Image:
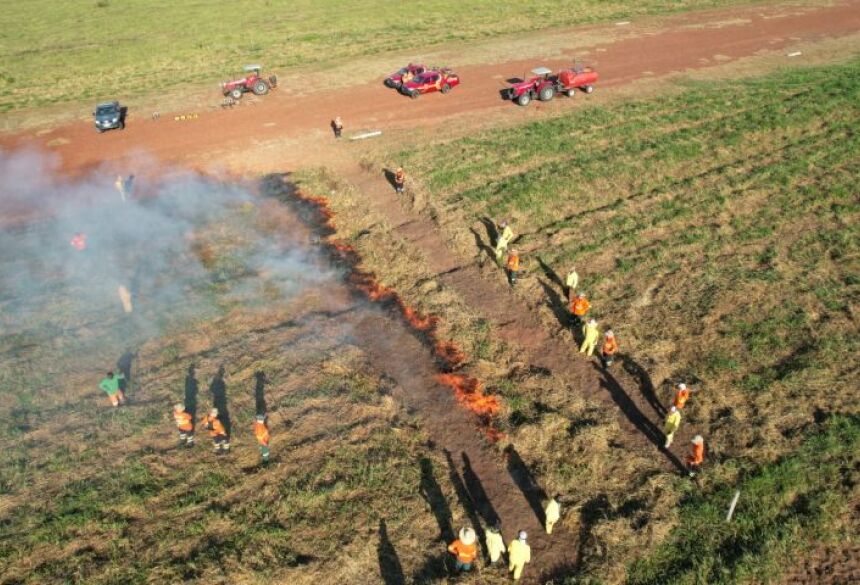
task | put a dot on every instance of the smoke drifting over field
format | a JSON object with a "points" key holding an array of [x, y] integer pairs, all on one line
{"points": [[182, 245]]}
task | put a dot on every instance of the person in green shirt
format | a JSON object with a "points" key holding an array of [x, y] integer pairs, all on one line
{"points": [[110, 386]]}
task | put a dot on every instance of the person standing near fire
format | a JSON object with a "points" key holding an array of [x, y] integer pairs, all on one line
{"points": [[216, 429], [519, 553], [399, 180], [512, 267], [505, 235], [261, 432], [579, 307], [590, 335], [185, 425], [110, 386], [609, 349]]}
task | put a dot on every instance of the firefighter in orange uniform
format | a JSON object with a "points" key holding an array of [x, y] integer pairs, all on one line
{"points": [[682, 395], [185, 424], [579, 308], [216, 429], [512, 267], [261, 432], [609, 349], [399, 180], [464, 549], [697, 456]]}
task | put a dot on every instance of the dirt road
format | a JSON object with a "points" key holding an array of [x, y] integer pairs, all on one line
{"points": [[683, 42]]}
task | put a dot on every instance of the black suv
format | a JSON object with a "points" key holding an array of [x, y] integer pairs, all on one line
{"points": [[109, 115]]}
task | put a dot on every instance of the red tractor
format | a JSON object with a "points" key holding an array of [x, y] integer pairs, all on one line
{"points": [[544, 85], [252, 81]]}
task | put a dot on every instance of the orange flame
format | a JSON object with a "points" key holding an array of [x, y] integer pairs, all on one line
{"points": [[468, 391]]}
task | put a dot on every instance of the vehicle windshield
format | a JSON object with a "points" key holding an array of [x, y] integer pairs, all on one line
{"points": [[426, 78], [105, 110]]}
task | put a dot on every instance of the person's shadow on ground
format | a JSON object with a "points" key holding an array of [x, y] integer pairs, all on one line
{"points": [[390, 177], [651, 431], [432, 494], [260, 393], [646, 386], [191, 388], [389, 563], [218, 389], [525, 480], [123, 364]]}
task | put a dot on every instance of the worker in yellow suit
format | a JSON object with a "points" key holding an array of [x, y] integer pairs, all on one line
{"points": [[552, 512], [590, 334], [519, 553], [495, 542], [671, 425], [506, 234]]}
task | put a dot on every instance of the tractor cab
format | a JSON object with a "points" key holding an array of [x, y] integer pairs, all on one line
{"points": [[252, 72], [542, 72]]}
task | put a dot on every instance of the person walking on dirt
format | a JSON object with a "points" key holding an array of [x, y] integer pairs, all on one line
{"points": [[590, 335], [609, 349], [512, 267], [682, 395], [110, 386], [495, 542], [579, 308], [337, 126], [216, 429], [571, 281], [697, 456], [671, 425], [506, 234], [519, 553], [552, 512], [399, 180], [261, 432], [464, 549], [185, 424]]}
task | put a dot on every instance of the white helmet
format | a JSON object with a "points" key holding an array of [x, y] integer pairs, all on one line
{"points": [[682, 386], [609, 333], [673, 408], [261, 418], [698, 440], [522, 535], [179, 407], [213, 412], [467, 535]]}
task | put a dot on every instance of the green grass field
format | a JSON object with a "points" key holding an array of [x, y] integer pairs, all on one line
{"points": [[87, 50], [715, 230]]}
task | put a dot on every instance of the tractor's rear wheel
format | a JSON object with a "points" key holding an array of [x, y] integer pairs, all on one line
{"points": [[236, 94], [546, 94], [260, 87], [524, 99], [445, 88], [588, 88]]}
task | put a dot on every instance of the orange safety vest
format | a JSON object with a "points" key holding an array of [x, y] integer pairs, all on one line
{"points": [[184, 422], [261, 431], [214, 425], [580, 306], [466, 553], [400, 177], [698, 454], [610, 346], [513, 262], [681, 398]]}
